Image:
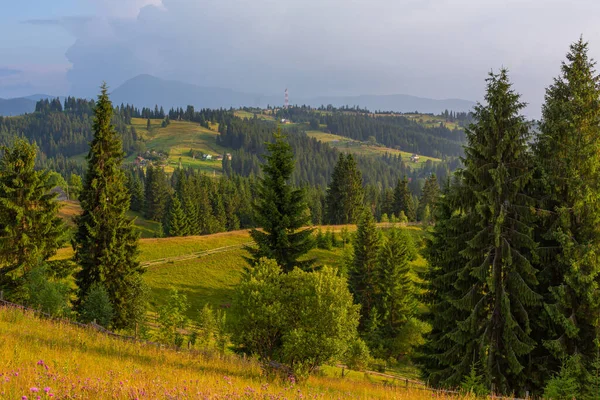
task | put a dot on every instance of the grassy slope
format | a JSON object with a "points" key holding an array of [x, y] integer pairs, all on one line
{"points": [[70, 209], [431, 121], [356, 147], [72, 362], [178, 138]]}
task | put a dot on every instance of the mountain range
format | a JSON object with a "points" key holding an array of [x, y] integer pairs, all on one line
{"points": [[148, 91]]}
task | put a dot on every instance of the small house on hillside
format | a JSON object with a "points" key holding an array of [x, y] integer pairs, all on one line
{"points": [[207, 157], [228, 155], [414, 158], [219, 158]]}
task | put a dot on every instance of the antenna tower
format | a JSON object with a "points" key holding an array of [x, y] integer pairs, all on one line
{"points": [[286, 102]]}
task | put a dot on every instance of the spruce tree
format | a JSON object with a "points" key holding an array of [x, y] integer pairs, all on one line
{"points": [[345, 193], [157, 193], [363, 275], [431, 193], [403, 201], [31, 231], [176, 223], [281, 212], [397, 302], [500, 254], [443, 356], [106, 242], [567, 152]]}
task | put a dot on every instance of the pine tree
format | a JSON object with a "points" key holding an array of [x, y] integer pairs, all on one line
{"points": [[567, 152], [176, 223], [445, 282], [106, 242], [281, 212], [497, 172], [157, 193], [431, 193], [363, 274], [136, 189], [345, 193], [397, 302], [31, 231], [403, 200]]}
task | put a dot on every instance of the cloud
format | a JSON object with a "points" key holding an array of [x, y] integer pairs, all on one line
{"points": [[434, 48], [8, 72]]}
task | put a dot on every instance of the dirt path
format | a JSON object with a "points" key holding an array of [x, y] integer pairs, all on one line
{"points": [[191, 256]]}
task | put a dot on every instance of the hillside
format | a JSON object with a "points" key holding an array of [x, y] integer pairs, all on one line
{"points": [[52, 359], [16, 106], [348, 145], [207, 268], [177, 139]]}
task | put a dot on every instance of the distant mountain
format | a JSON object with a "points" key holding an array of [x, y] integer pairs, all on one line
{"points": [[16, 106], [147, 91]]}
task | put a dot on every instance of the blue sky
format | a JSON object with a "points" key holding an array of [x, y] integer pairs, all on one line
{"points": [[427, 48]]}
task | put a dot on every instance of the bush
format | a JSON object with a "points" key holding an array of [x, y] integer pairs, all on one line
{"points": [[565, 385], [45, 294], [171, 318], [302, 319], [358, 356], [96, 306]]}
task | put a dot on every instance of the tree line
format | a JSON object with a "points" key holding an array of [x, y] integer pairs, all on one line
{"points": [[513, 272]]}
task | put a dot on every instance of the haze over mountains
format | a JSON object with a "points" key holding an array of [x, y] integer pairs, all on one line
{"points": [[146, 91]]}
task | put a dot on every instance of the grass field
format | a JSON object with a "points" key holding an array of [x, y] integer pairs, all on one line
{"points": [[431, 121], [51, 359], [178, 138], [356, 147], [249, 115]]}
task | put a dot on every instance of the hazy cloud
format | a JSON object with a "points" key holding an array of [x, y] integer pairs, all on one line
{"points": [[8, 72], [432, 48]]}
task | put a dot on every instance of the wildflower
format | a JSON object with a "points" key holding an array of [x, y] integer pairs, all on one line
{"points": [[34, 389], [47, 389], [24, 398]]}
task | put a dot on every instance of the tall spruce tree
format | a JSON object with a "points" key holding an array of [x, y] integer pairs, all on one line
{"points": [[363, 272], [176, 222], [431, 193], [31, 231], [501, 300], [281, 212], [157, 193], [397, 297], [344, 200], [106, 242], [567, 152], [443, 357], [403, 201]]}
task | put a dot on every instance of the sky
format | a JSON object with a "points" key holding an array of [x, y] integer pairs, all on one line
{"points": [[428, 48]]}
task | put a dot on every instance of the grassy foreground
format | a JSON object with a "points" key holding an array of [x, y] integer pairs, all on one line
{"points": [[57, 360]]}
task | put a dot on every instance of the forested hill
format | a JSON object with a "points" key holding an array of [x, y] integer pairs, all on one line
{"points": [[63, 130]]}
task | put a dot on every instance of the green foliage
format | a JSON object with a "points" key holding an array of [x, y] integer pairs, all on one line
{"points": [[281, 212], [46, 294], [106, 242], [567, 156], [358, 356], [474, 384], [363, 274], [75, 186], [172, 318], [96, 306], [303, 319], [403, 202], [31, 231], [399, 331], [566, 385], [429, 198], [177, 222], [345, 193], [324, 240]]}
